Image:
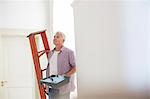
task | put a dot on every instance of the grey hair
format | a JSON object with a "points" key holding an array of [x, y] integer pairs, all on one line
{"points": [[61, 34]]}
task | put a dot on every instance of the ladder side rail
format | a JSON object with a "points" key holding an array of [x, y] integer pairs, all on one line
{"points": [[37, 65]]}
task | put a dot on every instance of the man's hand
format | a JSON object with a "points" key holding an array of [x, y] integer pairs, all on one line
{"points": [[70, 72], [65, 75], [46, 88]]}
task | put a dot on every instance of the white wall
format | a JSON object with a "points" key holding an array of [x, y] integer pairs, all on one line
{"points": [[26, 16], [134, 17], [111, 45], [63, 20]]}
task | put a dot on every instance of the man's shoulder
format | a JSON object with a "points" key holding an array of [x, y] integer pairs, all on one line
{"points": [[67, 49]]}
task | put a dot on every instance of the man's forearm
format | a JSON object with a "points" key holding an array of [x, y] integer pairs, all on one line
{"points": [[71, 71]]}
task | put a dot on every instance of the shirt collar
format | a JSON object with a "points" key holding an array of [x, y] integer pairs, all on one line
{"points": [[61, 50]]}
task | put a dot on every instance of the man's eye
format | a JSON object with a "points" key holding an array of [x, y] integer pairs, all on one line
{"points": [[56, 36]]}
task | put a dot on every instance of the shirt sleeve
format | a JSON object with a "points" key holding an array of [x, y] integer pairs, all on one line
{"points": [[49, 55], [47, 70], [72, 59]]}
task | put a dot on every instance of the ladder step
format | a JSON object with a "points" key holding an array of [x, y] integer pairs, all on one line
{"points": [[43, 69], [42, 52], [36, 33]]}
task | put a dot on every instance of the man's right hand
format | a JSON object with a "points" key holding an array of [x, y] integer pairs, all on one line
{"points": [[46, 88]]}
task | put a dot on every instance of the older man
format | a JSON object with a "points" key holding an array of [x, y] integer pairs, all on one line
{"points": [[61, 62]]}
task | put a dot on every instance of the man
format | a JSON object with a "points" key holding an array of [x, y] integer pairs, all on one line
{"points": [[61, 62]]}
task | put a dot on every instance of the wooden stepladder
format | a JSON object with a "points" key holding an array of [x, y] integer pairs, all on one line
{"points": [[36, 55]]}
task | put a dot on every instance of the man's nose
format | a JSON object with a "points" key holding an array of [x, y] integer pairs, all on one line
{"points": [[55, 39]]}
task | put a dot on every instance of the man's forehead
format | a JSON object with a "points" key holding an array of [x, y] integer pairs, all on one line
{"points": [[58, 35]]}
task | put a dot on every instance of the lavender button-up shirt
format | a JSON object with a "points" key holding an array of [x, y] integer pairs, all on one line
{"points": [[65, 61]]}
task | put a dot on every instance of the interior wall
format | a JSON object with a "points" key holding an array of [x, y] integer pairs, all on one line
{"points": [[134, 25], [26, 16], [23, 14], [97, 46], [111, 46]]}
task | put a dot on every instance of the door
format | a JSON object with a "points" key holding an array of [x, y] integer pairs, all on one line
{"points": [[1, 73], [17, 77]]}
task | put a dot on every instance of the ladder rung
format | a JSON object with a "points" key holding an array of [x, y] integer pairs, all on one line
{"points": [[43, 69], [42, 52], [38, 32]]}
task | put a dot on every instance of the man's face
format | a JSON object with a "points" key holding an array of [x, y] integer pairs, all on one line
{"points": [[58, 40]]}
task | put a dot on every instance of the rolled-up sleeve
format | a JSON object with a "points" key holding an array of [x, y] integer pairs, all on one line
{"points": [[72, 61]]}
